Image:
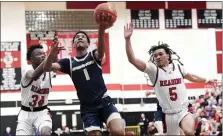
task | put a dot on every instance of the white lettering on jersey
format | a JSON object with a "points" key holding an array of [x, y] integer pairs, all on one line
{"points": [[83, 65]]}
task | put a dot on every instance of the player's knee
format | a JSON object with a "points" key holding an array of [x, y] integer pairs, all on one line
{"points": [[95, 133], [45, 131], [118, 131], [189, 133], [159, 126]]}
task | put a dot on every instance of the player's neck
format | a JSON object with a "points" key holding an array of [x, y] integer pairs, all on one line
{"points": [[81, 53], [165, 65]]}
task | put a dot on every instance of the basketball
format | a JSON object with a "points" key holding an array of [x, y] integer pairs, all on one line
{"points": [[105, 13]]}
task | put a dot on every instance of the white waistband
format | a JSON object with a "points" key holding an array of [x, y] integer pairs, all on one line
{"points": [[175, 111]]}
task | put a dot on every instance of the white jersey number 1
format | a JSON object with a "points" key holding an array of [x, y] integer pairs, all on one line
{"points": [[86, 74]]}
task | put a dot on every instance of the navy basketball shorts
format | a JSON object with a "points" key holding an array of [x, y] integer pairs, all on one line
{"points": [[93, 119]]}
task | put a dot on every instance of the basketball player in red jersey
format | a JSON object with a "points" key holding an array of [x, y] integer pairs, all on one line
{"points": [[34, 115], [168, 84]]}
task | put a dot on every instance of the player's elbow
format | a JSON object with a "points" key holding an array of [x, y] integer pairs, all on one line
{"points": [[132, 60]]}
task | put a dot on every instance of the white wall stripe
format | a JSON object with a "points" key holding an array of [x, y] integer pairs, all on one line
{"points": [[113, 94], [219, 52]]}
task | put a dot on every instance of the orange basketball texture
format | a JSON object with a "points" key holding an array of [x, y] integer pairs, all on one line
{"points": [[105, 13]]}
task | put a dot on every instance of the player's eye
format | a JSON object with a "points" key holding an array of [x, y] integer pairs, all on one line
{"points": [[78, 36]]}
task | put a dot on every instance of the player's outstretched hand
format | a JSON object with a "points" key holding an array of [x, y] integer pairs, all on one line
{"points": [[212, 81], [56, 47], [128, 30], [104, 20]]}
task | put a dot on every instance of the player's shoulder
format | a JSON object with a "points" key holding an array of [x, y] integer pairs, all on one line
{"points": [[65, 59], [25, 81], [26, 69], [92, 52], [150, 66]]}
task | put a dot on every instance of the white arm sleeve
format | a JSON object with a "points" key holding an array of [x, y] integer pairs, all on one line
{"points": [[151, 71]]}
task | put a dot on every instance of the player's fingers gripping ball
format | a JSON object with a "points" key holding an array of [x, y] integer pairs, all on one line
{"points": [[105, 14]]}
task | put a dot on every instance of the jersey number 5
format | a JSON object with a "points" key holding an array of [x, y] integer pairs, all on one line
{"points": [[173, 95], [37, 100]]}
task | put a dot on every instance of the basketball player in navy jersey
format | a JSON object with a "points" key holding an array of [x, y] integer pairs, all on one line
{"points": [[96, 105], [168, 84]]}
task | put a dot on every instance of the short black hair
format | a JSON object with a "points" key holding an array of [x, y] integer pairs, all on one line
{"points": [[167, 49], [31, 49], [88, 39]]}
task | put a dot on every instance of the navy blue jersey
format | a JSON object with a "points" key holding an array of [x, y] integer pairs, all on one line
{"points": [[86, 76], [159, 108], [158, 115]]}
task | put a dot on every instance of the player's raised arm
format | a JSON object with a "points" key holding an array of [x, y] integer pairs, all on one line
{"points": [[99, 54], [139, 64], [55, 49]]}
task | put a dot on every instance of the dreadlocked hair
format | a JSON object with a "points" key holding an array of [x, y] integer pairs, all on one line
{"points": [[31, 49], [167, 50]]}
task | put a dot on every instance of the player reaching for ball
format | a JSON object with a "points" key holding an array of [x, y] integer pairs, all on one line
{"points": [[34, 115], [168, 83], [96, 105]]}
